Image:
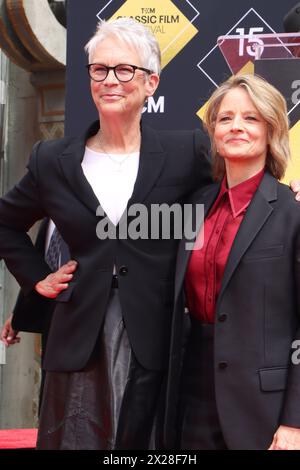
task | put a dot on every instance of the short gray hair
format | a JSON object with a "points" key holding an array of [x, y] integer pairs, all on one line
{"points": [[132, 33]]}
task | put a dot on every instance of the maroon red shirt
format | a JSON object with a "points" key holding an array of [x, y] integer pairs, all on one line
{"points": [[206, 266]]}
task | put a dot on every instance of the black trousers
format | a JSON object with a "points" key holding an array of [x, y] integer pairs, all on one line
{"points": [[199, 426]]}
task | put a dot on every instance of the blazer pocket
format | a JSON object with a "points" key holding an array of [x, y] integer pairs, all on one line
{"points": [[66, 294], [273, 379], [267, 252]]}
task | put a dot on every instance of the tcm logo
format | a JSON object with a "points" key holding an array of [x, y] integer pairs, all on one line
{"points": [[155, 106]]}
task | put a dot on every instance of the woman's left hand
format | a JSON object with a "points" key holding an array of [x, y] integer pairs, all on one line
{"points": [[286, 438]]}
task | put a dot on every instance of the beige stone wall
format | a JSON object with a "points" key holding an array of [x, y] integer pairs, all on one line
{"points": [[18, 399]]}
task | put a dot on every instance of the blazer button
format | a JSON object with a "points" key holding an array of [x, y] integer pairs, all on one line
{"points": [[223, 365], [223, 317], [123, 270]]}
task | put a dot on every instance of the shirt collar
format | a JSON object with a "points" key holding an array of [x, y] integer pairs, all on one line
{"points": [[241, 194]]}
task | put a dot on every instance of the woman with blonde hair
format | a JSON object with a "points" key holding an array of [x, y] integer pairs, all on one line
{"points": [[240, 382]]}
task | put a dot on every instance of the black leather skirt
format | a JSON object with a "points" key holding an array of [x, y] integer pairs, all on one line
{"points": [[80, 410]]}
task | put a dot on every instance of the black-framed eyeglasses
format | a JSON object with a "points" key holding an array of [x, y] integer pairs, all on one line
{"points": [[123, 72]]}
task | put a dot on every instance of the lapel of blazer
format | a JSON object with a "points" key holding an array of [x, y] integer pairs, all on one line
{"points": [[256, 216], [206, 197], [152, 159], [70, 161]]}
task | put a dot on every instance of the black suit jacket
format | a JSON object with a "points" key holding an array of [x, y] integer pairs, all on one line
{"points": [[256, 320], [171, 165]]}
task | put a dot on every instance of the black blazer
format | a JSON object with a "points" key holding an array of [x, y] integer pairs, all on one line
{"points": [[256, 320], [171, 165]]}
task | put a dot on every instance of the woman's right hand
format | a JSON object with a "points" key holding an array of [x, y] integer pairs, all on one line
{"points": [[56, 282], [8, 335]]}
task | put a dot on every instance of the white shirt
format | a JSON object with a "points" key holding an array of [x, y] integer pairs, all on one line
{"points": [[112, 178]]}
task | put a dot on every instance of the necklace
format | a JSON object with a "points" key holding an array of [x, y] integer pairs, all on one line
{"points": [[117, 160]]}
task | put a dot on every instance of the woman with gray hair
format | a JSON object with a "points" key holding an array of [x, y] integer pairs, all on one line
{"points": [[240, 381], [108, 344]]}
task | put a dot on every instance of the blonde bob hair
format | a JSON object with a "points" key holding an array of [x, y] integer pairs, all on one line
{"points": [[271, 105]]}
